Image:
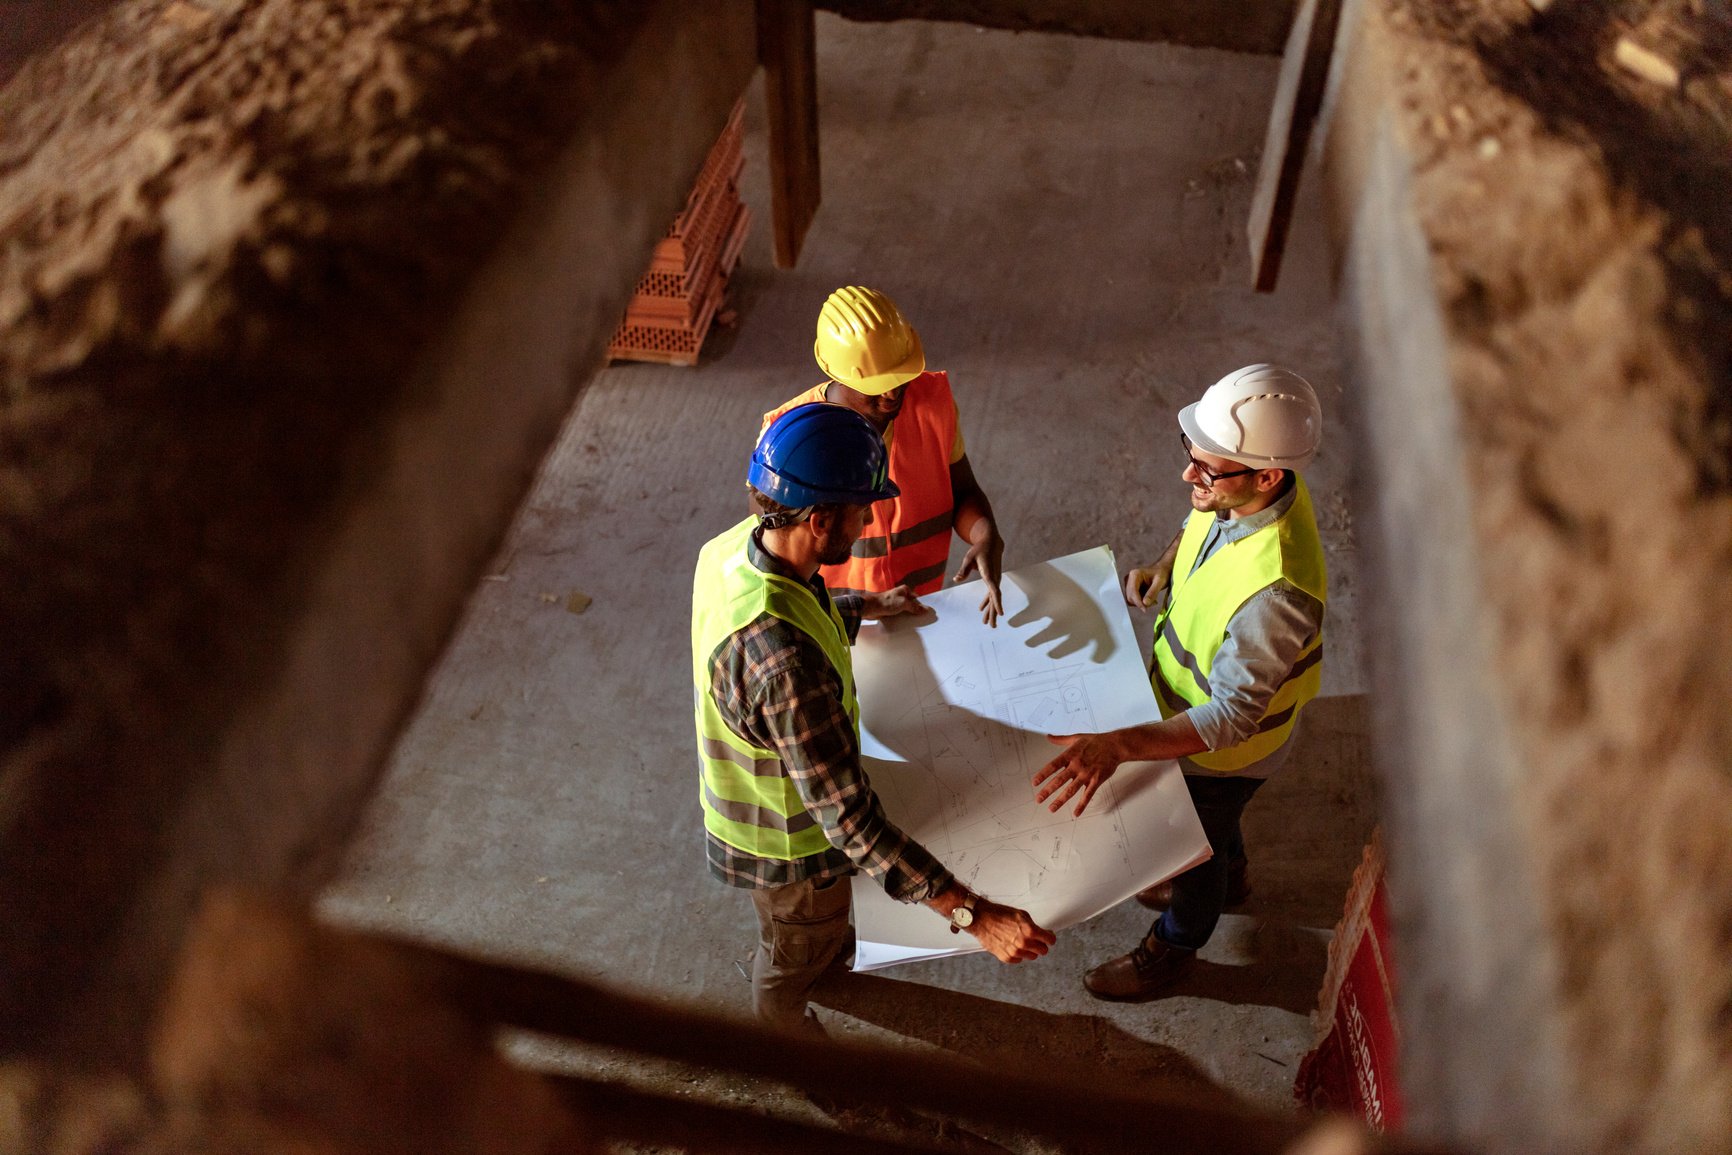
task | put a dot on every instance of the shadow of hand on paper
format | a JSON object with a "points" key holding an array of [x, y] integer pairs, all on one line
{"points": [[944, 729], [1016, 1037], [1056, 597]]}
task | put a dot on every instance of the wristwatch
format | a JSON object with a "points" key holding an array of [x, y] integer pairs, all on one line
{"points": [[962, 915]]}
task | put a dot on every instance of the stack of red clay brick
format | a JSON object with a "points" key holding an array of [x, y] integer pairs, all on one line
{"points": [[677, 299]]}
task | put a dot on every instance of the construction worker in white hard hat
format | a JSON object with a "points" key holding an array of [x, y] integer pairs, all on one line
{"points": [[874, 364], [1238, 647]]}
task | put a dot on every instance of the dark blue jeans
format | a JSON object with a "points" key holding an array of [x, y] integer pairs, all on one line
{"points": [[1200, 894]]}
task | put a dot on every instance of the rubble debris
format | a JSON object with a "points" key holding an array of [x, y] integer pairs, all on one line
{"points": [[1650, 66]]}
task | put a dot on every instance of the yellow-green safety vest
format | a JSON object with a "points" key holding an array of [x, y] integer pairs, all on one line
{"points": [[1201, 605], [749, 801]]}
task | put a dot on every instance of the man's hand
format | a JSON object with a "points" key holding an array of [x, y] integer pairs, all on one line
{"points": [[888, 604], [1087, 762], [1010, 934], [985, 557], [1144, 584]]}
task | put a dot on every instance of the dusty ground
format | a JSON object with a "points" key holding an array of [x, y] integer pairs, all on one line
{"points": [[193, 196], [1579, 222], [179, 223]]}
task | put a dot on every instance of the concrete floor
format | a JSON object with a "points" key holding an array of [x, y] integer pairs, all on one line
{"points": [[1064, 222]]}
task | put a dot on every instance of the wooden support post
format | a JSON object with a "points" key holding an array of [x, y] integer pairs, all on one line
{"points": [[1298, 96], [788, 50]]}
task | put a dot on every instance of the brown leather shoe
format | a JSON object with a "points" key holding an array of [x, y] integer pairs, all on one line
{"points": [[1160, 895], [1150, 968]]}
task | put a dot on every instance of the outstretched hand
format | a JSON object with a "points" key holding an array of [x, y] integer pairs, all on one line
{"points": [[1087, 762]]}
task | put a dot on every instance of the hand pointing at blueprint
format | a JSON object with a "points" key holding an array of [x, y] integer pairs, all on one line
{"points": [[1088, 761]]}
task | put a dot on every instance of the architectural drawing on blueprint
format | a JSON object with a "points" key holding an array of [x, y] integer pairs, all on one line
{"points": [[979, 742], [954, 723]]}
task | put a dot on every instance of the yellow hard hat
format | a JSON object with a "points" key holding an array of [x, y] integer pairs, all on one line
{"points": [[865, 343]]}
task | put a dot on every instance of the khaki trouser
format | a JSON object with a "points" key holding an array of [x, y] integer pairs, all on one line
{"points": [[801, 929]]}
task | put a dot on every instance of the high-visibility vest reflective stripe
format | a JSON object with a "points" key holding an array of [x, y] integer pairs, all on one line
{"points": [[749, 802], [909, 538], [1191, 631]]}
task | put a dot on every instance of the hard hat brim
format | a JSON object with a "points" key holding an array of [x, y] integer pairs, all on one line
{"points": [[796, 494], [807, 456], [1188, 423], [911, 367]]}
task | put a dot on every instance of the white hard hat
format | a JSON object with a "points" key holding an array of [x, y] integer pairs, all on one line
{"points": [[1262, 416]]}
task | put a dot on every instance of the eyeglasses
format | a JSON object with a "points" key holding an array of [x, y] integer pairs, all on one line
{"points": [[1204, 471]]}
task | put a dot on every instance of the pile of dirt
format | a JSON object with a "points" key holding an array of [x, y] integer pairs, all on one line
{"points": [[1576, 202], [227, 230], [193, 197]]}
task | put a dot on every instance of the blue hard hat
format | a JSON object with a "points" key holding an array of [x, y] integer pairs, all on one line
{"points": [[819, 454]]}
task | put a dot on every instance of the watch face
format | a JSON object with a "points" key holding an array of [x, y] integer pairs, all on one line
{"points": [[962, 916]]}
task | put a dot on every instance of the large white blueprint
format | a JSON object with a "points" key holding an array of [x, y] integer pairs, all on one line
{"points": [[954, 718]]}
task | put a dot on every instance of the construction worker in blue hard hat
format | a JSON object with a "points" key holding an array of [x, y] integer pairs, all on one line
{"points": [[1238, 652], [874, 364], [788, 811]]}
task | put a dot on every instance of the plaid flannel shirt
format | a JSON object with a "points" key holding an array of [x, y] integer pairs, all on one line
{"points": [[776, 689]]}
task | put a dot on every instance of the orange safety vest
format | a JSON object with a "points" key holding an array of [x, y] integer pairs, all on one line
{"points": [[908, 541]]}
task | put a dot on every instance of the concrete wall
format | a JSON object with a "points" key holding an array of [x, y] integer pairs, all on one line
{"points": [[30, 26], [1480, 1053], [1255, 26], [267, 414], [1537, 361]]}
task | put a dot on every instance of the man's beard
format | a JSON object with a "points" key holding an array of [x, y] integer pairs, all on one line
{"points": [[834, 552], [1215, 502]]}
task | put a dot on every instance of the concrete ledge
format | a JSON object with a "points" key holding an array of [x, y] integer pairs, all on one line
{"points": [[1537, 352], [267, 415], [1259, 27]]}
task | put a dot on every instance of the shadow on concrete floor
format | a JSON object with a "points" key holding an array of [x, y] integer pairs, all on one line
{"points": [[1306, 830], [1285, 970], [993, 1032]]}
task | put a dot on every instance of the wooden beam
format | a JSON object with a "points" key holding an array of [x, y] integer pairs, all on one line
{"points": [[245, 1036], [788, 50], [1298, 96]]}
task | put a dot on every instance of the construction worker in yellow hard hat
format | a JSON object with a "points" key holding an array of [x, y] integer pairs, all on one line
{"points": [[874, 364]]}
